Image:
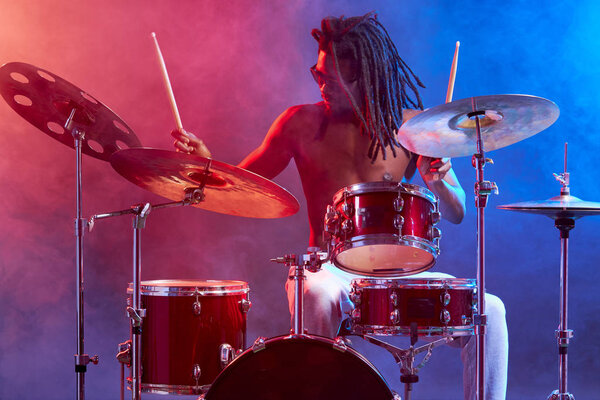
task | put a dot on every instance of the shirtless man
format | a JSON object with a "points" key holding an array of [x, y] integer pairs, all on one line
{"points": [[342, 141]]}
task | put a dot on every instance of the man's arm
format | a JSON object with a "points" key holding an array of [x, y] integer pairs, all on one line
{"points": [[440, 179], [268, 160]]}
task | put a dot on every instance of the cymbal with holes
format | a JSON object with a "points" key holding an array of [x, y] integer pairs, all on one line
{"points": [[447, 131], [46, 100], [229, 189]]}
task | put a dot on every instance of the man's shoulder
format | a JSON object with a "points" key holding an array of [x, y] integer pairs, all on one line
{"points": [[305, 113]]}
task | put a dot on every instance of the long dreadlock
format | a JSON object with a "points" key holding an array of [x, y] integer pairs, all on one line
{"points": [[383, 77]]}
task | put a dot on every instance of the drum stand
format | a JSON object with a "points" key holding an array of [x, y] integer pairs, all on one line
{"points": [[81, 359], [405, 358], [482, 190], [564, 225], [312, 262], [135, 311]]}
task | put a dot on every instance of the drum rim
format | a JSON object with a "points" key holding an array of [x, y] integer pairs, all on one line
{"points": [[385, 186], [174, 287], [163, 388], [394, 330], [415, 283], [383, 239]]}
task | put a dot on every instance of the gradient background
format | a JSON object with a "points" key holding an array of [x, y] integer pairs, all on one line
{"points": [[234, 66]]}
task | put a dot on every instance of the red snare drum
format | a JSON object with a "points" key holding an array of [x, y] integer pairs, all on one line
{"points": [[300, 367], [389, 306], [191, 331], [384, 229]]}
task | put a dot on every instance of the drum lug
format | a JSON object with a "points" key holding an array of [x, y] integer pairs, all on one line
{"points": [[347, 226], [196, 373], [331, 221], [436, 234], [245, 305], [436, 217], [355, 315], [347, 210], [445, 299], [339, 344], [197, 307], [355, 297], [395, 317], [259, 344], [445, 317], [394, 299], [226, 354], [398, 203], [398, 222]]}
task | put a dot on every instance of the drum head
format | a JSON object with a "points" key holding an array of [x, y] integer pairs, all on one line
{"points": [[299, 368]]}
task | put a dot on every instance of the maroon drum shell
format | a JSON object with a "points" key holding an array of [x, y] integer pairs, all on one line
{"points": [[175, 339], [417, 300], [379, 219]]}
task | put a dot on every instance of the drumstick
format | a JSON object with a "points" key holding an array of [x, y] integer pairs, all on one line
{"points": [[450, 91], [167, 82]]}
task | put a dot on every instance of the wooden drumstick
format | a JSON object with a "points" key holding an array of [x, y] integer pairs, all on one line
{"points": [[167, 82], [450, 91]]}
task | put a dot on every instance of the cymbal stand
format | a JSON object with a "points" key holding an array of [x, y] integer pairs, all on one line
{"points": [[563, 334], [135, 311], [482, 190], [312, 262], [405, 358], [81, 359]]}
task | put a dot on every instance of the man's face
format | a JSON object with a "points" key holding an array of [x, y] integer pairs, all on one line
{"points": [[331, 89]]}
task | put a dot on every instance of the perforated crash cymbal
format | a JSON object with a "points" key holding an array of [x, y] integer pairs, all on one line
{"points": [[448, 131], [46, 100], [228, 190]]}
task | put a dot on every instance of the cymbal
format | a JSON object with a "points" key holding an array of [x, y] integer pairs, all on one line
{"points": [[563, 206], [229, 189], [46, 100], [447, 131]]}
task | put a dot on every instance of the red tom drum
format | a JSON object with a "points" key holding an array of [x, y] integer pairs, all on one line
{"points": [[192, 330], [389, 306], [383, 229]]}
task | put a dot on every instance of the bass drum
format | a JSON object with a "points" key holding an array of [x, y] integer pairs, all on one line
{"points": [[300, 367]]}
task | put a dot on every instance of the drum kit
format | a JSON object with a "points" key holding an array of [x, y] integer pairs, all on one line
{"points": [[189, 336]]}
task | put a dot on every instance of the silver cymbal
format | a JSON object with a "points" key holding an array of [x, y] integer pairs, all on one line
{"points": [[563, 206], [447, 131]]}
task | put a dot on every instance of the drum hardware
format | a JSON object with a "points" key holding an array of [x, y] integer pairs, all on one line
{"points": [[312, 262], [472, 126], [564, 209], [135, 312], [405, 358], [75, 118]]}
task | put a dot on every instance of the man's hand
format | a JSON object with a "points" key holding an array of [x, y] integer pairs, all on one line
{"points": [[189, 143], [433, 169]]}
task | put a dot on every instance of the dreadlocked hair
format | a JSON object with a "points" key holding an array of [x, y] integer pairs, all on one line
{"points": [[386, 82]]}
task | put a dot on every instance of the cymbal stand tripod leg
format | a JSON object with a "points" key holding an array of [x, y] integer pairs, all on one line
{"points": [[563, 334], [482, 190]]}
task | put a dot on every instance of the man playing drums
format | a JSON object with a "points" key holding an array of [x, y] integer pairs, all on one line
{"points": [[349, 138]]}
